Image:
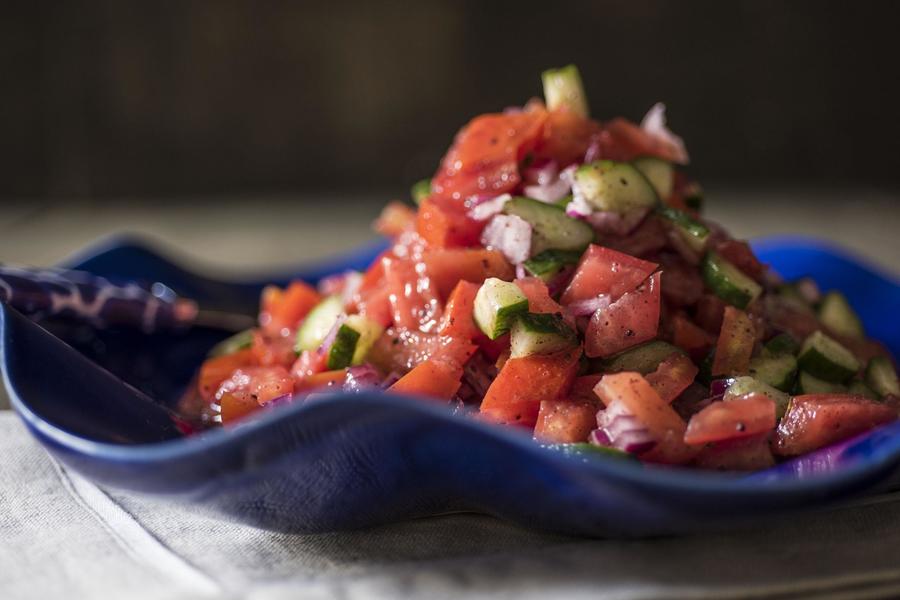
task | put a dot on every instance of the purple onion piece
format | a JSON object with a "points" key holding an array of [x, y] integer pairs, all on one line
{"points": [[717, 387], [362, 378], [485, 209], [622, 430], [392, 378], [509, 234], [808, 289], [541, 174], [326, 344], [589, 306], [550, 192]]}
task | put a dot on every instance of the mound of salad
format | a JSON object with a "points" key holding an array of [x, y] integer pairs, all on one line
{"points": [[555, 275]]}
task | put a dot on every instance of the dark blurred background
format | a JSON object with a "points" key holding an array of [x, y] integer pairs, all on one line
{"points": [[108, 98]]}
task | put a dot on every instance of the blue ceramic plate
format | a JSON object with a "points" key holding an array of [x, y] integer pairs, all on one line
{"points": [[362, 460]]}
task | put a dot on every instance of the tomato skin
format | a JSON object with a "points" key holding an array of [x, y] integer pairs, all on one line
{"points": [[630, 320], [515, 395], [282, 310], [447, 267], [413, 299], [566, 138], [273, 351], [735, 344], [642, 401], [623, 140], [605, 271], [746, 454], [459, 313], [816, 420], [741, 417], [216, 370], [432, 378], [318, 381], [444, 224], [689, 337], [236, 406], [564, 422], [673, 376], [252, 385], [538, 294]]}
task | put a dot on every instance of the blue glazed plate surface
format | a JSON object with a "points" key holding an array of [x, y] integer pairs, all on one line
{"points": [[363, 460]]}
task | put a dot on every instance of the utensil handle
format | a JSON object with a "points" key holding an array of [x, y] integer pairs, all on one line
{"points": [[42, 293]]}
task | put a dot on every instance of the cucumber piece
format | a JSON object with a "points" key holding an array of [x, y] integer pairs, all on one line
{"points": [[882, 377], [643, 358], [825, 358], [340, 355], [694, 233], [549, 263], [369, 331], [564, 201], [563, 89], [318, 323], [751, 385], [230, 345], [783, 343], [859, 388], [728, 282], [777, 371], [615, 186], [497, 304], [809, 384], [660, 174], [552, 228], [420, 190], [540, 333], [836, 314]]}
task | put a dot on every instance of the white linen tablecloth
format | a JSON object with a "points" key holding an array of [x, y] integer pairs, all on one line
{"points": [[63, 537]]}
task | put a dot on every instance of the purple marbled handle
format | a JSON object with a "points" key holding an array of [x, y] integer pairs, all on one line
{"points": [[42, 293]]}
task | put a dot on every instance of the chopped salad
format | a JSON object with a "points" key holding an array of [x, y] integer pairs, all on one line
{"points": [[556, 276]]}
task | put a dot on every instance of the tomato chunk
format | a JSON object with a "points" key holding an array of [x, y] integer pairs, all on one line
{"points": [[448, 267], [538, 294], [630, 320], [433, 378], [564, 422], [735, 345], [732, 419], [445, 225], [642, 401], [324, 380], [689, 337], [216, 370], [746, 454], [236, 406], [412, 296], [269, 351], [516, 393], [395, 218], [673, 376], [566, 138], [282, 310], [816, 420], [605, 271], [624, 141]]}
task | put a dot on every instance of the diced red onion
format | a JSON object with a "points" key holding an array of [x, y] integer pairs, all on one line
{"points": [[593, 151], [588, 306], [542, 174], [808, 289], [579, 208], [622, 430], [613, 223], [654, 123], [488, 208], [509, 234], [717, 387], [550, 192], [361, 378], [392, 378], [326, 344], [520, 271], [558, 283], [280, 400]]}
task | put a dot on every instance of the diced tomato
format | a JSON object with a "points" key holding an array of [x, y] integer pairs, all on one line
{"points": [[564, 422], [433, 378], [446, 268], [282, 310], [493, 349], [684, 286], [605, 271], [583, 389], [309, 363], [250, 385], [709, 313], [538, 294], [647, 240], [690, 338], [395, 218], [735, 345], [642, 401], [318, 381], [731, 419], [402, 349], [673, 376], [216, 370], [444, 224], [630, 320], [376, 305], [413, 298], [746, 454], [741, 256], [236, 406], [516, 393], [459, 320], [567, 136], [816, 420], [373, 278], [624, 141], [485, 155], [271, 351]]}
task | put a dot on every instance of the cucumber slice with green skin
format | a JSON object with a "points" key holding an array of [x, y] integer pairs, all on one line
{"points": [[694, 233], [809, 384], [340, 355], [783, 343], [825, 358], [836, 314], [564, 201], [728, 282], [552, 228], [497, 304], [549, 263], [583, 449], [777, 371], [859, 388], [660, 174], [230, 345], [369, 331], [751, 385], [882, 377], [614, 186], [318, 323], [563, 88], [420, 190], [643, 358], [540, 333]]}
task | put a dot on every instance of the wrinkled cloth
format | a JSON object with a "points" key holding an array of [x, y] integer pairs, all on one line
{"points": [[62, 536]]}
